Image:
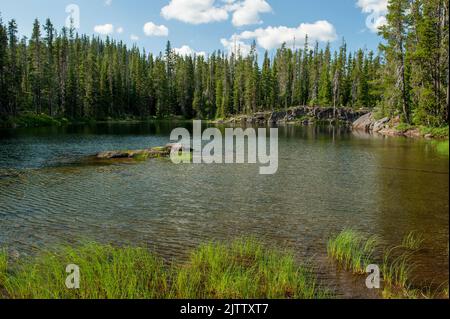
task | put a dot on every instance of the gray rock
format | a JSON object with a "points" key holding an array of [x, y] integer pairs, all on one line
{"points": [[381, 124], [364, 123]]}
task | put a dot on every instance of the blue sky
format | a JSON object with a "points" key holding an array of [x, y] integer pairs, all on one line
{"points": [[208, 25]]}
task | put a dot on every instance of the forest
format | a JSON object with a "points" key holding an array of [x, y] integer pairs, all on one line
{"points": [[63, 74]]}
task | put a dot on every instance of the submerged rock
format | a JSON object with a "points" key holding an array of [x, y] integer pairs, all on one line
{"points": [[155, 152]]}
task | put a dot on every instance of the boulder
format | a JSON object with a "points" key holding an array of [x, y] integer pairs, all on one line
{"points": [[364, 123], [380, 124]]}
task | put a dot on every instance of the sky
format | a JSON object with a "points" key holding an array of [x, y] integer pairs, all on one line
{"points": [[204, 26]]}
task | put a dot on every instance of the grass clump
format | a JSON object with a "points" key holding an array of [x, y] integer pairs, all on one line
{"points": [[242, 269], [437, 132], [352, 251], [105, 273], [396, 269], [3, 266], [403, 127], [412, 241]]}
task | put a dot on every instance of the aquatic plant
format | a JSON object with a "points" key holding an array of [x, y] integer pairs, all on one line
{"points": [[413, 241], [105, 273], [3, 265], [242, 269], [396, 268], [352, 251]]}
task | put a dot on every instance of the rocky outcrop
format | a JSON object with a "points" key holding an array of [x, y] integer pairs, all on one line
{"points": [[368, 123], [302, 115], [386, 126]]}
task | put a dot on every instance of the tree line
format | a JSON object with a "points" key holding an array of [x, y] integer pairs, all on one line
{"points": [[64, 74]]}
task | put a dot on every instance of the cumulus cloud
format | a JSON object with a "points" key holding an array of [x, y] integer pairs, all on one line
{"points": [[134, 37], [244, 12], [104, 29], [151, 29], [119, 30], [248, 12], [273, 37], [185, 50], [377, 10], [194, 11]]}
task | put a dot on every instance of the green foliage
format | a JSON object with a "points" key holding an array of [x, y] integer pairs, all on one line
{"points": [[41, 120], [412, 241], [437, 132], [242, 269], [396, 269], [352, 251], [3, 266], [403, 127]]}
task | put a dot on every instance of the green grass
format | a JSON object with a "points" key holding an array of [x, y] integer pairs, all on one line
{"points": [[37, 120], [437, 132], [352, 251], [403, 127], [413, 241], [396, 268], [3, 266], [242, 269], [106, 273]]}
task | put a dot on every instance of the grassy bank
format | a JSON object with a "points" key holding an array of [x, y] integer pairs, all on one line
{"points": [[32, 120], [353, 252], [43, 120], [242, 269]]}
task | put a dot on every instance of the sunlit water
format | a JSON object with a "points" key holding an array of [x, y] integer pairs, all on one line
{"points": [[328, 179]]}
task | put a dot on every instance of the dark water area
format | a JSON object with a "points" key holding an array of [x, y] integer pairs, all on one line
{"points": [[328, 179]]}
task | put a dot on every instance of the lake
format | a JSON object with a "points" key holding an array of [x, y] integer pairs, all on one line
{"points": [[328, 179]]}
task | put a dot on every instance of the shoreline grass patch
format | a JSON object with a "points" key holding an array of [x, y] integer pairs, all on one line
{"points": [[241, 269], [413, 241], [352, 251]]}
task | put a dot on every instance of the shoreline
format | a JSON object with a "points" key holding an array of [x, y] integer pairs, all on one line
{"points": [[248, 268], [311, 117]]}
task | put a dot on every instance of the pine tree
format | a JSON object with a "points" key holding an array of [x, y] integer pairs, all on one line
{"points": [[397, 95]]}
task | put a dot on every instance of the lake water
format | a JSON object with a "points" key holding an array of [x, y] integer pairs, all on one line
{"points": [[328, 179]]}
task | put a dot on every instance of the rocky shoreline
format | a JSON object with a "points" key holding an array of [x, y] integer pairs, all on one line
{"points": [[388, 127], [304, 115], [359, 120]]}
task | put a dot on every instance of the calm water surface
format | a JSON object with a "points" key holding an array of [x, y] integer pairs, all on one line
{"points": [[328, 179]]}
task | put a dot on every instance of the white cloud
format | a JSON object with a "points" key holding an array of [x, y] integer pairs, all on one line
{"points": [[104, 29], [377, 10], [245, 12], [134, 37], [108, 2], [273, 37], [194, 11], [248, 11], [119, 30], [151, 29], [187, 51]]}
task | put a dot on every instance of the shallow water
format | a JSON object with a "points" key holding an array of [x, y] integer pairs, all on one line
{"points": [[328, 179]]}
